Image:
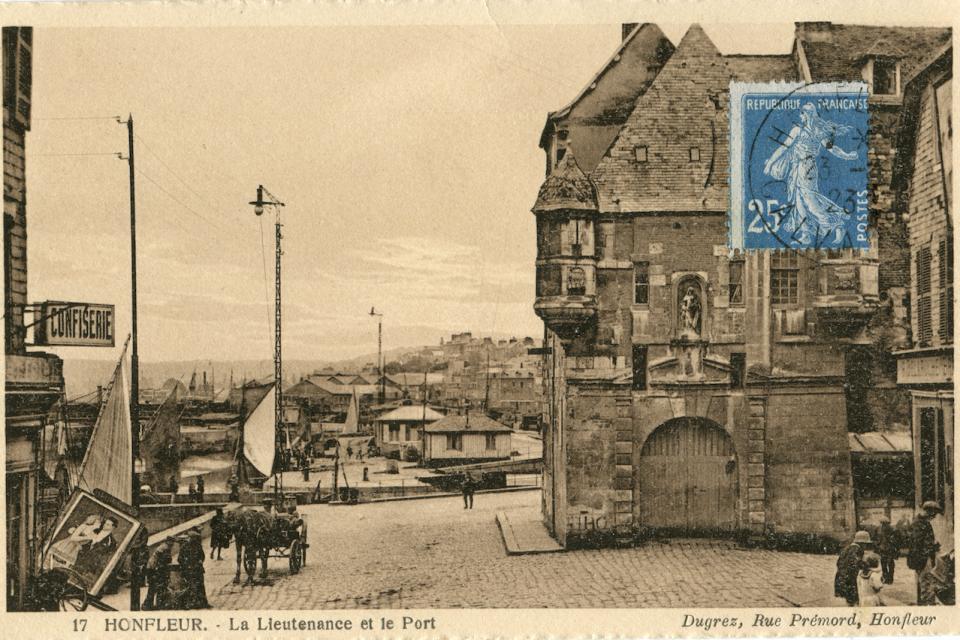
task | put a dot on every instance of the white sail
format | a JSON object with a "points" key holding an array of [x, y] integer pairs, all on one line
{"points": [[108, 462], [259, 434], [353, 414]]}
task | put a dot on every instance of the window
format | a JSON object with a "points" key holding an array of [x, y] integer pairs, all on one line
{"points": [[640, 367], [491, 441], [576, 282], [885, 77], [784, 277], [694, 154], [933, 469], [454, 442], [561, 151], [738, 373], [924, 328], [640, 152], [394, 432], [641, 283], [736, 281], [945, 293]]}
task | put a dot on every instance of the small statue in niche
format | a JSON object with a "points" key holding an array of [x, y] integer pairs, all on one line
{"points": [[690, 311]]}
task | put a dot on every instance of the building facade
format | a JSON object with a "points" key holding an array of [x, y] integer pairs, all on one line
{"points": [[465, 439], [923, 176], [735, 420], [34, 381]]}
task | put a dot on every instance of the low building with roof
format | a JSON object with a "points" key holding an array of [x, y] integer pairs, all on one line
{"points": [[465, 439], [402, 428]]}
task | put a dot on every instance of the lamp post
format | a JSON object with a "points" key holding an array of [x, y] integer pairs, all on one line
{"points": [[381, 391], [259, 206]]}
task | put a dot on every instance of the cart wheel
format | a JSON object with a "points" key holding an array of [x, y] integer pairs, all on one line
{"points": [[74, 600], [295, 557]]}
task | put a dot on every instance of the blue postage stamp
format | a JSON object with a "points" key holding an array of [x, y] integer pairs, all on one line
{"points": [[798, 166]]}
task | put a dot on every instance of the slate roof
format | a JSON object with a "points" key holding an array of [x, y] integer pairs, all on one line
{"points": [[686, 106], [410, 413], [459, 424], [837, 51], [752, 68], [566, 188]]}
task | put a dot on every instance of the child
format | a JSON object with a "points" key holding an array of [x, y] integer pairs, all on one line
{"points": [[870, 581]]}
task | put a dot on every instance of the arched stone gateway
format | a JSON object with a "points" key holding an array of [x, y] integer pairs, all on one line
{"points": [[688, 478]]}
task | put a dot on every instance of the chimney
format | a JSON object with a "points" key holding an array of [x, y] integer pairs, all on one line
{"points": [[626, 29]]}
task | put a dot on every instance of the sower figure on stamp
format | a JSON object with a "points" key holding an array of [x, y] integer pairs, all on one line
{"points": [[848, 566], [922, 556], [795, 161]]}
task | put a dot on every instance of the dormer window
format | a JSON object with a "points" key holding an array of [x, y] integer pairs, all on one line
{"points": [[883, 75], [640, 153], [694, 154], [561, 151]]}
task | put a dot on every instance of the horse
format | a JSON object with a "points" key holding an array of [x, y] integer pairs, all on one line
{"points": [[251, 531]]}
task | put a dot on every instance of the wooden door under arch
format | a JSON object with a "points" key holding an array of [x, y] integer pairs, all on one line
{"points": [[688, 477]]}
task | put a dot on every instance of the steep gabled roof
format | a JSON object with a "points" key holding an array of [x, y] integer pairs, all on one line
{"points": [[684, 108], [837, 51], [410, 413], [474, 423], [566, 188], [754, 68]]}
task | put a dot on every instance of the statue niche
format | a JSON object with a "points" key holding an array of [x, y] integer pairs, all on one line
{"points": [[690, 322]]}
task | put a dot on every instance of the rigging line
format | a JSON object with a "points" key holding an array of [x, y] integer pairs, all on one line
{"points": [[175, 175]]}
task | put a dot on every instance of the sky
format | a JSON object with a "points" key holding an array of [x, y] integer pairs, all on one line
{"points": [[407, 158]]}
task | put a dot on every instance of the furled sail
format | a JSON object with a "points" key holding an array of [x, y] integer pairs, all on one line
{"points": [[160, 444], [353, 414], [108, 462], [259, 434]]}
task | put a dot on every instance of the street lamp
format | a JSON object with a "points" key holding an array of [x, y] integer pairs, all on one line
{"points": [[381, 393], [259, 206]]}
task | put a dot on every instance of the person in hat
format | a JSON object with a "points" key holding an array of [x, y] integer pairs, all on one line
{"points": [[888, 547], [870, 581], [219, 534], [848, 566], [201, 487], [233, 484], [191, 559], [158, 577], [922, 556]]}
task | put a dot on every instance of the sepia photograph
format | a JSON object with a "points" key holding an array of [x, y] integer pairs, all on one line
{"points": [[615, 315]]}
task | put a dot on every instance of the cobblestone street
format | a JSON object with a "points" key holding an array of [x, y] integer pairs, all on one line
{"points": [[434, 554]]}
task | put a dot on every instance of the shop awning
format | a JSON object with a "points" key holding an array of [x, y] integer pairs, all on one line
{"points": [[880, 443]]}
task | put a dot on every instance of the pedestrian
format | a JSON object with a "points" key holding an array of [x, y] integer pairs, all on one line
{"points": [[190, 559], [158, 578], [192, 492], [305, 467], [888, 546], [870, 581], [349, 452], [922, 556], [848, 566], [234, 485], [200, 489], [173, 486], [467, 488], [219, 535]]}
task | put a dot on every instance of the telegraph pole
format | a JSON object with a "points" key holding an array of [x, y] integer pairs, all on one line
{"points": [[280, 444], [381, 381], [134, 364]]}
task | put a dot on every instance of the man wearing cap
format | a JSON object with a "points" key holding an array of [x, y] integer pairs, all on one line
{"points": [[848, 565], [923, 553]]}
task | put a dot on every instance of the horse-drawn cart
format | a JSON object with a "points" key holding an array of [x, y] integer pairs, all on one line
{"points": [[260, 535], [290, 541]]}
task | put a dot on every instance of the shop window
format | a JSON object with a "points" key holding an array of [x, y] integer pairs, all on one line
{"points": [[784, 277], [932, 454], [641, 283], [736, 281]]}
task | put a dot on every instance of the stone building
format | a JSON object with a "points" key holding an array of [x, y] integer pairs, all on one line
{"points": [[690, 389], [923, 177], [34, 380]]}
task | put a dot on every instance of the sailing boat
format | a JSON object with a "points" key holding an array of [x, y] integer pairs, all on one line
{"points": [[352, 423], [108, 463], [258, 438]]}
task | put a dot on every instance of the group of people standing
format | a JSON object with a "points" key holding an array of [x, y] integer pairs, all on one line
{"points": [[177, 585], [866, 566]]}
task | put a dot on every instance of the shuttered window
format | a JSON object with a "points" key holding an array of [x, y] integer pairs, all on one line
{"points": [[641, 283], [945, 290], [924, 327], [736, 282]]}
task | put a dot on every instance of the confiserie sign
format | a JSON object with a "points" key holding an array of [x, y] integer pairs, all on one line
{"points": [[76, 324]]}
